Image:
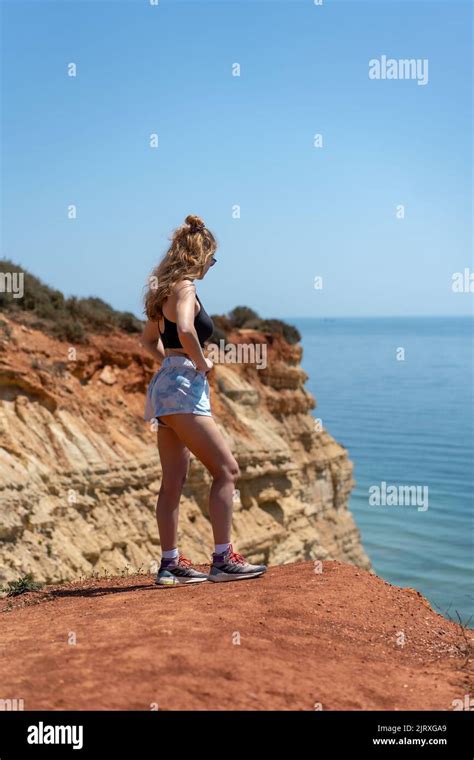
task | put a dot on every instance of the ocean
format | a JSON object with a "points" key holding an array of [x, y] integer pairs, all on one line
{"points": [[398, 394]]}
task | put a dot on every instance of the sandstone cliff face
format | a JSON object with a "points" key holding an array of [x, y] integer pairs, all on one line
{"points": [[80, 472]]}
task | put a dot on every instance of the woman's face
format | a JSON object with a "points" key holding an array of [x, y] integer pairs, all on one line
{"points": [[208, 265]]}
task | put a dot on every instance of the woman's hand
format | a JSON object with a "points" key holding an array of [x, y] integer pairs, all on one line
{"points": [[205, 367]]}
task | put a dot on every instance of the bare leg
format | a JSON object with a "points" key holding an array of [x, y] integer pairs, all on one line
{"points": [[174, 458], [201, 435]]}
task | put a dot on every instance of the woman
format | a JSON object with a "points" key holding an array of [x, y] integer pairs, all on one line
{"points": [[178, 398]]}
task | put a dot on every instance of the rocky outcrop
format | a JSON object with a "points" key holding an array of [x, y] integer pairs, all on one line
{"points": [[79, 468]]}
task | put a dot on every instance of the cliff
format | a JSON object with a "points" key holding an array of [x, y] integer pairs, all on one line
{"points": [[79, 468], [335, 637]]}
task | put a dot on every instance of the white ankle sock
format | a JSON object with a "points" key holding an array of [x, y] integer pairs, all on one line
{"points": [[170, 554], [221, 548]]}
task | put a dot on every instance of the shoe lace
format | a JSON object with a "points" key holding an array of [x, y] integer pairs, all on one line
{"points": [[236, 557], [183, 561]]}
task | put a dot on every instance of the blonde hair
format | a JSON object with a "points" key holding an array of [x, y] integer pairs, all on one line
{"points": [[192, 245]]}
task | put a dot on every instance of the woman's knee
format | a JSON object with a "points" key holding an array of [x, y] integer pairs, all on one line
{"points": [[228, 471]]}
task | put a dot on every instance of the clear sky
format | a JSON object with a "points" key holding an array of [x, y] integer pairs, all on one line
{"points": [[246, 141]]}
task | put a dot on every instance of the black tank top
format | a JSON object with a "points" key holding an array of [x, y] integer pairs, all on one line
{"points": [[203, 325]]}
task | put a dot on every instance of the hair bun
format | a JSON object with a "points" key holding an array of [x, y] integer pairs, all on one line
{"points": [[195, 223]]}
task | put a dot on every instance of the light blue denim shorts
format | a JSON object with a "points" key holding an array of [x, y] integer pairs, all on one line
{"points": [[177, 388]]}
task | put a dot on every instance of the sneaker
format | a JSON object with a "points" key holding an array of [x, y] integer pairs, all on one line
{"points": [[231, 566], [174, 572]]}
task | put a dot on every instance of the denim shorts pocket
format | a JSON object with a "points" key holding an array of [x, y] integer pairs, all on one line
{"points": [[199, 372], [186, 377]]}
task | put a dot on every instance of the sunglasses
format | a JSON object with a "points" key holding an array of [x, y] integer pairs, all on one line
{"points": [[213, 261]]}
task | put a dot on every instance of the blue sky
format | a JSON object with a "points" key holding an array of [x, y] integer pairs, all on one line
{"points": [[247, 140]]}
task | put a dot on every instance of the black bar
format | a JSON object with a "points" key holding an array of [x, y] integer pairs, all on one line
{"points": [[317, 734]]}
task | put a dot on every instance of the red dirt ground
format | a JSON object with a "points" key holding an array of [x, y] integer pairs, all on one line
{"points": [[306, 640]]}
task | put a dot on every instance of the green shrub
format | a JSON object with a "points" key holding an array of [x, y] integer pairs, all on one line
{"points": [[243, 317], [289, 332], [217, 335], [70, 319], [128, 322], [242, 314], [22, 585], [68, 329]]}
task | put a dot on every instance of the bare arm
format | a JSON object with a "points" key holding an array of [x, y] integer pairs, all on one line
{"points": [[151, 341], [185, 301]]}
